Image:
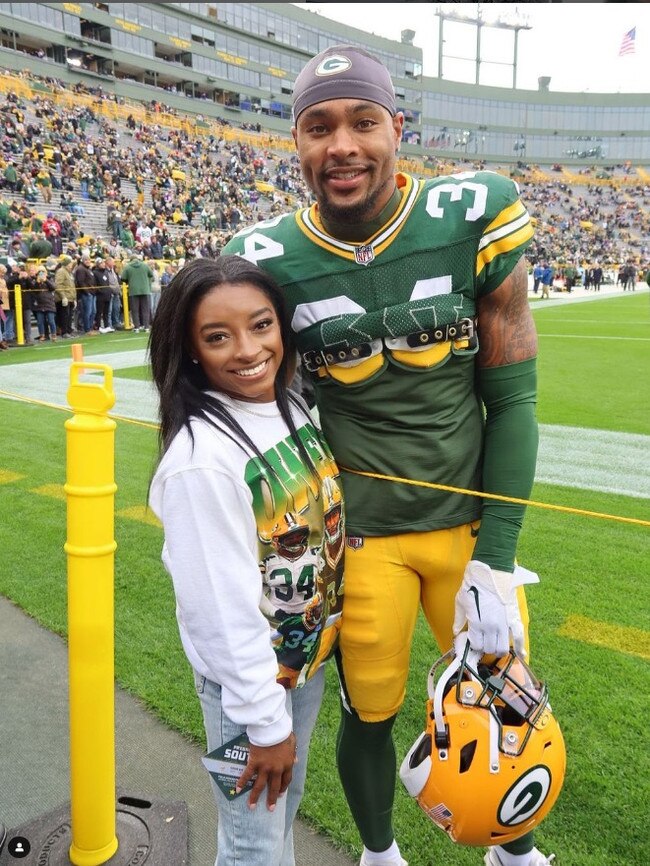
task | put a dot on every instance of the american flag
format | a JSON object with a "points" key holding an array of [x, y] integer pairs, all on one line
{"points": [[440, 814], [627, 45]]}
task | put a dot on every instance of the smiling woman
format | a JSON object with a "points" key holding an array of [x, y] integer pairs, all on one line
{"points": [[246, 490], [236, 338]]}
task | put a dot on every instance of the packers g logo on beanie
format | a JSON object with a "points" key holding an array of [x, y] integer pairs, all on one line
{"points": [[343, 72], [332, 65]]}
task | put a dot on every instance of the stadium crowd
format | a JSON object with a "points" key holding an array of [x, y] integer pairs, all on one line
{"points": [[165, 194]]}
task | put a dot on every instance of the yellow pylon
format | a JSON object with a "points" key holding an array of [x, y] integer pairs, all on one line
{"points": [[125, 307], [90, 492], [18, 314]]}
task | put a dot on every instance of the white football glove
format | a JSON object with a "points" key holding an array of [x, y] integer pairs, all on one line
{"points": [[487, 601]]}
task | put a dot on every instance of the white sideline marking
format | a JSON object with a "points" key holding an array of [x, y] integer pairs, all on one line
{"points": [[587, 337], [568, 456], [571, 321], [49, 381], [594, 460]]}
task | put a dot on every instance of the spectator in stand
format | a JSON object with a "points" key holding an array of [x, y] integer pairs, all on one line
{"points": [[138, 277], [104, 297], [139, 189], [14, 218], [570, 278], [155, 289], [115, 224], [9, 324], [44, 180], [45, 306], [66, 297], [126, 238], [11, 177], [84, 281], [547, 280], [40, 247], [156, 246], [22, 279], [51, 222], [68, 203], [596, 276], [30, 193], [143, 232], [74, 232], [4, 309], [116, 294], [19, 248]]}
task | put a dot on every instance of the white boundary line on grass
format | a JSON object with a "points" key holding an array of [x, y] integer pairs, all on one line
{"points": [[579, 295], [592, 337], [578, 457]]}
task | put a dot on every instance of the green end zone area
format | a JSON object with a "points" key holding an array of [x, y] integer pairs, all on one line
{"points": [[590, 615]]}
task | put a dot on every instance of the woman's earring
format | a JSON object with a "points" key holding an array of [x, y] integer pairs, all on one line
{"points": [[195, 360]]}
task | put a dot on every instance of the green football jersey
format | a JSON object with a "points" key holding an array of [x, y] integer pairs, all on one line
{"points": [[386, 331]]}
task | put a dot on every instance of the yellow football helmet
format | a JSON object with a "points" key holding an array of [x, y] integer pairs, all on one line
{"points": [[491, 763], [290, 537]]}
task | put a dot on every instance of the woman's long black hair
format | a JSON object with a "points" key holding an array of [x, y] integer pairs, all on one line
{"points": [[183, 388]]}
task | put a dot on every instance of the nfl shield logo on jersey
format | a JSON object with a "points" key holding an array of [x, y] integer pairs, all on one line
{"points": [[364, 255]]}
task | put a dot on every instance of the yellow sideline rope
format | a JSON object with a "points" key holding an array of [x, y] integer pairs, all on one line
{"points": [[430, 484]]}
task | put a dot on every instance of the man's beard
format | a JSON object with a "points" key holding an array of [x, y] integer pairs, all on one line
{"points": [[350, 214]]}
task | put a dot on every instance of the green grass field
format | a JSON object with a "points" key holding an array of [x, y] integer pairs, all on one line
{"points": [[590, 613]]}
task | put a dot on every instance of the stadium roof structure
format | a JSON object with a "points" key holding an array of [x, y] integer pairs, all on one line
{"points": [[237, 62]]}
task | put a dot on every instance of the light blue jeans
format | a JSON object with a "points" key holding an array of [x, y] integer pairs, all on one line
{"points": [[257, 837], [9, 326]]}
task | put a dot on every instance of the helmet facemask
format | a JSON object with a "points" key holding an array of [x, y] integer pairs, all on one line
{"points": [[491, 762]]}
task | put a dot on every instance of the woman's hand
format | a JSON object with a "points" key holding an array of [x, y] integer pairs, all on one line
{"points": [[270, 766]]}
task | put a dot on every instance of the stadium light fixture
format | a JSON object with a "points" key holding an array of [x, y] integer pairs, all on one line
{"points": [[514, 21]]}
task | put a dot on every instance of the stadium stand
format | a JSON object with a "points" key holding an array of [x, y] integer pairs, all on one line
{"points": [[115, 177]]}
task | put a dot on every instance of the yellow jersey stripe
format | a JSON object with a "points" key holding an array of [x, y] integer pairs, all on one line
{"points": [[513, 212], [503, 245]]}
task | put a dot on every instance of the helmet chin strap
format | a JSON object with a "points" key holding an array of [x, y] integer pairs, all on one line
{"points": [[436, 691]]}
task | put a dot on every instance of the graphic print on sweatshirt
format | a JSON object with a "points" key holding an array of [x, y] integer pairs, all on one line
{"points": [[300, 529]]}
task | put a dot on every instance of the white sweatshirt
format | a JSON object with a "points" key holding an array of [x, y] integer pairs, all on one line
{"points": [[221, 511]]}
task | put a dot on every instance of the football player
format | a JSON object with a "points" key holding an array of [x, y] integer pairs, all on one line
{"points": [[289, 573], [408, 299], [333, 516]]}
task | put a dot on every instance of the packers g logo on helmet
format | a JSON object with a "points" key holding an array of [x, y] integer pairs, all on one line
{"points": [[490, 764]]}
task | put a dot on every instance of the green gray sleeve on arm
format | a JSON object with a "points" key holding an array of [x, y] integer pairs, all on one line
{"points": [[510, 453]]}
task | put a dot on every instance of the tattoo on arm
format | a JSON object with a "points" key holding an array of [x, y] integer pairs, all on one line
{"points": [[506, 329]]}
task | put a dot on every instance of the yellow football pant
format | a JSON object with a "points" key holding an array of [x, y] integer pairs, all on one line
{"points": [[386, 580]]}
